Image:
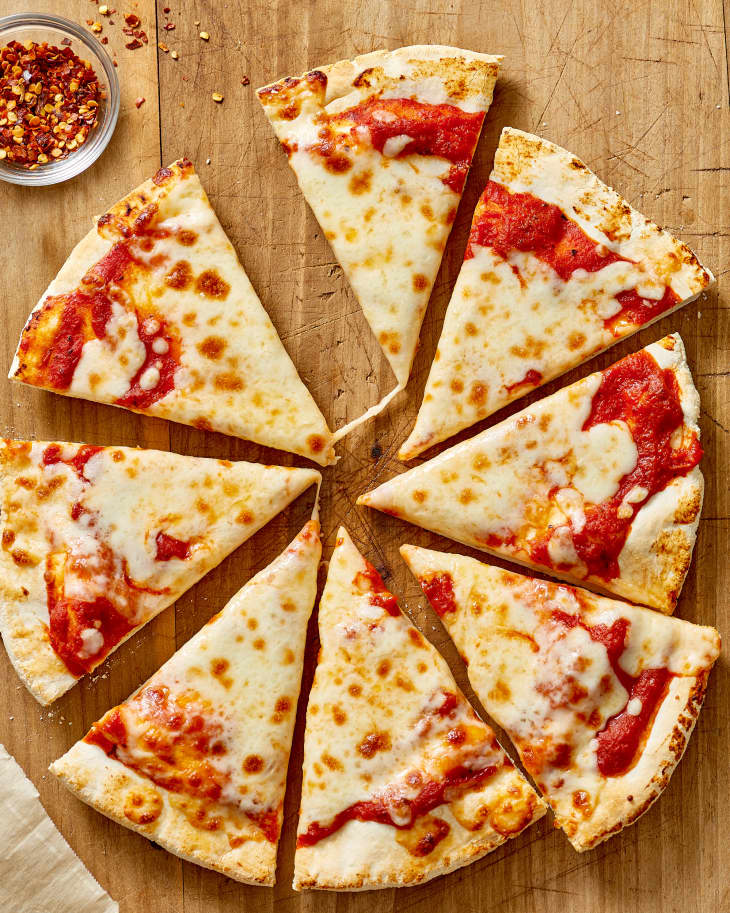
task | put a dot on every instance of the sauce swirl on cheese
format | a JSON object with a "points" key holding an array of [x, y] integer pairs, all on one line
{"points": [[507, 222], [647, 398], [398, 127]]}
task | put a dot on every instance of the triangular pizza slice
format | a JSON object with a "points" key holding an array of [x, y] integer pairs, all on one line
{"points": [[196, 759], [154, 312], [381, 146], [402, 781], [558, 267], [96, 541], [598, 482], [600, 697]]}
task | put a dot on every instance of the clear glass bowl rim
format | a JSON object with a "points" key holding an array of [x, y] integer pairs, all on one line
{"points": [[56, 172]]}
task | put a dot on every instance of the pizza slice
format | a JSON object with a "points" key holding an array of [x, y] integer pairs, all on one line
{"points": [[600, 697], [381, 146], [598, 482], [196, 759], [402, 781], [96, 541], [558, 267], [154, 312]]}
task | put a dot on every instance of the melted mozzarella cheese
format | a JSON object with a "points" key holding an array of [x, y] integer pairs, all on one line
{"points": [[107, 365]]}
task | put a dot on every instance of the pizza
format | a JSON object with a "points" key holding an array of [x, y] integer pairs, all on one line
{"points": [[196, 759], [381, 146], [96, 541], [402, 781], [598, 482], [557, 268], [154, 312], [600, 697]]}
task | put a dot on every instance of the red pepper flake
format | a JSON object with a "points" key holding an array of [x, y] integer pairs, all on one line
{"points": [[166, 10], [133, 44], [169, 26], [245, 81], [49, 100], [132, 20], [66, 42], [105, 40], [138, 102]]}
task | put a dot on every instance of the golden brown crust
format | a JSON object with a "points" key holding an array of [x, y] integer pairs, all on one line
{"points": [[233, 847]]}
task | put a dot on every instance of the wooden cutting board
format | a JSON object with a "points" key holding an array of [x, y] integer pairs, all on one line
{"points": [[639, 90]]}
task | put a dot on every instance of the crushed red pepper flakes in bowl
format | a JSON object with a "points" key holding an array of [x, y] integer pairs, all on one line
{"points": [[49, 100]]}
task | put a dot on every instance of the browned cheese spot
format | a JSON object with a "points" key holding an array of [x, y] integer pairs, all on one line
{"points": [[420, 282], [211, 284], [180, 276], [373, 743], [212, 347], [478, 394], [331, 762], [142, 808], [339, 715], [228, 381], [253, 764], [186, 237], [361, 182], [218, 668]]}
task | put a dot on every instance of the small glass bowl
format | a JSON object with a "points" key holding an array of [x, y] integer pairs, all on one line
{"points": [[25, 27]]}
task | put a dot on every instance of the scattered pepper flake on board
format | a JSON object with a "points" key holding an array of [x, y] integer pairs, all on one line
{"points": [[138, 102], [245, 81], [174, 55], [217, 97], [49, 100], [132, 20]]}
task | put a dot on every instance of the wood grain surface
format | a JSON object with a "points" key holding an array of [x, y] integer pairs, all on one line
{"points": [[639, 90]]}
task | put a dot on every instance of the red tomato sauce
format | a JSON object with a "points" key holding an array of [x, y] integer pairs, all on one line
{"points": [[621, 739], [167, 364], [68, 617], [444, 131], [439, 591], [531, 379], [85, 313], [637, 391], [508, 222], [169, 547], [175, 748], [433, 793], [370, 579], [52, 455]]}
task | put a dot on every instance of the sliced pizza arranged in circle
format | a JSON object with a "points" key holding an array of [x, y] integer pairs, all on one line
{"points": [[598, 482], [402, 781], [196, 759], [600, 697], [558, 267], [96, 541], [154, 312], [381, 146]]}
